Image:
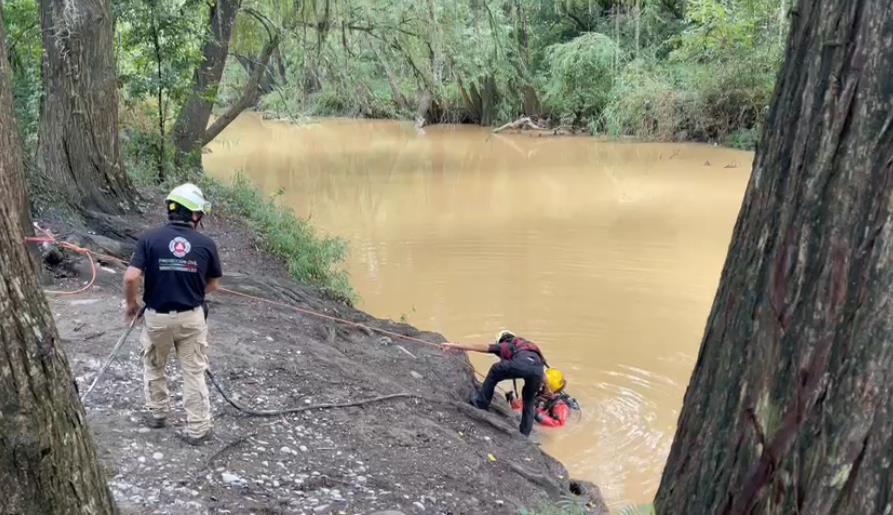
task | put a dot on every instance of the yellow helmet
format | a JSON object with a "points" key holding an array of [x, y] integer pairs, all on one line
{"points": [[555, 380]]}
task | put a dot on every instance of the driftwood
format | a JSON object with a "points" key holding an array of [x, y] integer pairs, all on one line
{"points": [[521, 123]]}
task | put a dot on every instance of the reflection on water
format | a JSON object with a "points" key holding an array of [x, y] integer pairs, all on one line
{"points": [[608, 254]]}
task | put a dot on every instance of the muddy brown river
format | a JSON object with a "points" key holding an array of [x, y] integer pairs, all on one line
{"points": [[606, 253]]}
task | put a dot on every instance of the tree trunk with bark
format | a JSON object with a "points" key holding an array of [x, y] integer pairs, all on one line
{"points": [[196, 112], [78, 157], [790, 406], [47, 461]]}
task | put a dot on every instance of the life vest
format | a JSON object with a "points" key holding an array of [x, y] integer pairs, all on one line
{"points": [[509, 348]]}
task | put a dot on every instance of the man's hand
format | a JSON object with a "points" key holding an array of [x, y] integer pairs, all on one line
{"points": [[131, 311], [131, 288]]}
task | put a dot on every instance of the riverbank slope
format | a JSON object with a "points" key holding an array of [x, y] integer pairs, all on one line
{"points": [[426, 452]]}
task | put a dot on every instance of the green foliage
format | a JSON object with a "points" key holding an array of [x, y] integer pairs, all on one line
{"points": [[158, 50], [24, 49], [643, 102], [744, 139], [310, 258], [681, 101], [661, 69], [580, 75]]}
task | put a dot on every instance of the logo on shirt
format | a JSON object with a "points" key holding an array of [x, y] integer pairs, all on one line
{"points": [[179, 246]]}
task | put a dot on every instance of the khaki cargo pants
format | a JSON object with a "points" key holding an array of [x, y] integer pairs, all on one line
{"points": [[187, 333]]}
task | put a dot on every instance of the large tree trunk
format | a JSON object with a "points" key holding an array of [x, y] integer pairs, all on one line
{"points": [[790, 407], [78, 156], [47, 461], [196, 112]]}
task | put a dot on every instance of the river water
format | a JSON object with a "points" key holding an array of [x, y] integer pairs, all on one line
{"points": [[606, 253]]}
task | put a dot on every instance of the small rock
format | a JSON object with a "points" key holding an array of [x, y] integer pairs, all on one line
{"points": [[303, 448], [141, 459], [157, 456], [143, 430], [321, 508], [286, 450], [231, 479], [362, 479], [419, 505], [415, 374]]}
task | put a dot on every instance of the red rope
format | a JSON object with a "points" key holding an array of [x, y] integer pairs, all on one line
{"points": [[336, 319], [48, 238]]}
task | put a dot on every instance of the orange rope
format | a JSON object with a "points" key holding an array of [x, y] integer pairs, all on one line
{"points": [[336, 319]]}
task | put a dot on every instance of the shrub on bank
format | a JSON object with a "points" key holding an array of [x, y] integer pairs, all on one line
{"points": [[580, 76], [682, 102]]}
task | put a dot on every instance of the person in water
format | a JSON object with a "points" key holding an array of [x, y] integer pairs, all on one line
{"points": [[518, 359], [553, 405]]}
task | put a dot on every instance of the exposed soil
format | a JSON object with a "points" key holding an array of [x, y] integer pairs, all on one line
{"points": [[427, 454]]}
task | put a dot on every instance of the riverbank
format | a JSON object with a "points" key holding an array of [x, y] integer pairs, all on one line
{"points": [[427, 452]]}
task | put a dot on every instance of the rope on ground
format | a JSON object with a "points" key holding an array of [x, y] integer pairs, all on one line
{"points": [[49, 238], [357, 325], [288, 411]]}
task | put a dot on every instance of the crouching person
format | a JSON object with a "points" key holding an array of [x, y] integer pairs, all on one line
{"points": [[518, 359]]}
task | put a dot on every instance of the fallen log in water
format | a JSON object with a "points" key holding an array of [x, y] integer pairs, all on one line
{"points": [[521, 123]]}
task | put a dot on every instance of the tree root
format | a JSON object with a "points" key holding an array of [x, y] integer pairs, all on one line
{"points": [[289, 411]]}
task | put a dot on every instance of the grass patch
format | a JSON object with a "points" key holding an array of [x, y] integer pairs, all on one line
{"points": [[310, 258]]}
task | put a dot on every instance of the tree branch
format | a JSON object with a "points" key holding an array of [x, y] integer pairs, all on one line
{"points": [[250, 93]]}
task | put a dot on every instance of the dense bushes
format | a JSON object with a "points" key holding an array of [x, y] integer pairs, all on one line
{"points": [[698, 70], [686, 102], [657, 69], [580, 76]]}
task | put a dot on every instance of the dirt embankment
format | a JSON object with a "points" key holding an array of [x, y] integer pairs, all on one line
{"points": [[428, 453]]}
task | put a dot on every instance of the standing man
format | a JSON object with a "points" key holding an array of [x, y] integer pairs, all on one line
{"points": [[519, 359], [180, 267]]}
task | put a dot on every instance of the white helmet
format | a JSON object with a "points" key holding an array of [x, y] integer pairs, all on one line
{"points": [[189, 196], [504, 334]]}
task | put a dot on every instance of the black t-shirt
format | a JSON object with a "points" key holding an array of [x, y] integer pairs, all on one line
{"points": [[177, 262]]}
